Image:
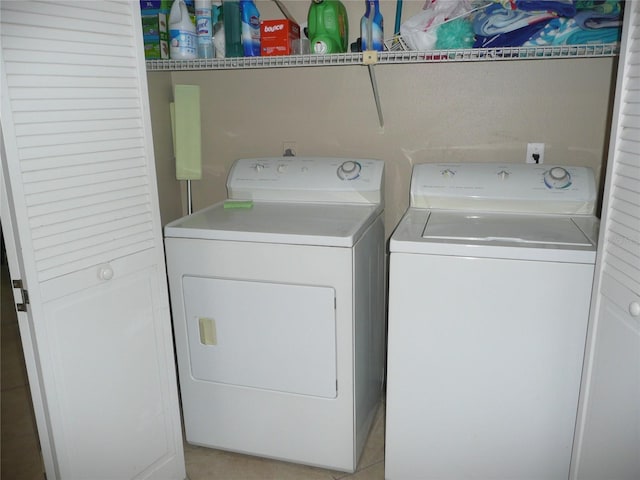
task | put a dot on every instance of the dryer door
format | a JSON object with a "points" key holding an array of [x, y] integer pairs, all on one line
{"points": [[264, 335]]}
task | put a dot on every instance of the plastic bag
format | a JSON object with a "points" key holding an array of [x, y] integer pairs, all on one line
{"points": [[419, 31]]}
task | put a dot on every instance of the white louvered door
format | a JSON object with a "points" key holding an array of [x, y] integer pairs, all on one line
{"points": [[607, 442], [82, 208]]}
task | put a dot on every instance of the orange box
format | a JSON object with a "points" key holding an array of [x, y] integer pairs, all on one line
{"points": [[279, 37]]}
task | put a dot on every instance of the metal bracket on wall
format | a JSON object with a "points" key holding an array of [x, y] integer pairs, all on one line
{"points": [[370, 58]]}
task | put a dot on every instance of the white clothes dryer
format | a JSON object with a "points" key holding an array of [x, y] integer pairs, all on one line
{"points": [[490, 281], [278, 303]]}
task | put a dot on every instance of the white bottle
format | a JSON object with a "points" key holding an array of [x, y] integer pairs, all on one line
{"points": [[204, 28], [182, 33]]}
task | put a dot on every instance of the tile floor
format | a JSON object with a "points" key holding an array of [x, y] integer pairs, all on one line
{"points": [[21, 458]]}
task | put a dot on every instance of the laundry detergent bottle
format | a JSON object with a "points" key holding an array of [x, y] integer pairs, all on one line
{"points": [[371, 27], [183, 39], [328, 26]]}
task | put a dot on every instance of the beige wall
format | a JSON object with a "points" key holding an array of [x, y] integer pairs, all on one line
{"points": [[459, 112]]}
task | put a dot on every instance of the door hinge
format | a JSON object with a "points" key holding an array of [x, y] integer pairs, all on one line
{"points": [[21, 306]]}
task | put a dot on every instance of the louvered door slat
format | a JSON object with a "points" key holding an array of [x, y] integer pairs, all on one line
{"points": [[82, 191], [56, 250], [37, 166], [23, 118], [29, 81], [61, 128], [31, 143], [77, 170], [54, 34], [82, 182], [72, 92], [74, 18], [92, 217], [100, 50], [79, 148], [55, 103], [58, 70], [48, 210]]}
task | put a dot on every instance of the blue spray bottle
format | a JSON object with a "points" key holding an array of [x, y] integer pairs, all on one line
{"points": [[371, 27], [250, 28]]}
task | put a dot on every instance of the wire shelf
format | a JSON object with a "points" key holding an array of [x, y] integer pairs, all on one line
{"points": [[390, 57]]}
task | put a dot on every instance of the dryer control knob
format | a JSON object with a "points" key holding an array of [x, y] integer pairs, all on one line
{"points": [[448, 173], [503, 174], [557, 178], [258, 167], [349, 170]]}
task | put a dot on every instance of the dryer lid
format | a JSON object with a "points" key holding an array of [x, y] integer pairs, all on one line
{"points": [[483, 228]]}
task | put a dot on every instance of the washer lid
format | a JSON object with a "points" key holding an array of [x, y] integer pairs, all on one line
{"points": [[553, 238], [510, 228], [274, 222]]}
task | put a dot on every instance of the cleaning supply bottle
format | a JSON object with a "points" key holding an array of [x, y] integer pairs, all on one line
{"points": [[183, 39], [232, 28], [371, 27], [204, 28], [250, 28], [328, 26], [218, 36]]}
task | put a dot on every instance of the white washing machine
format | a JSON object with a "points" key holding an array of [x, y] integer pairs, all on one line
{"points": [[278, 303], [490, 281]]}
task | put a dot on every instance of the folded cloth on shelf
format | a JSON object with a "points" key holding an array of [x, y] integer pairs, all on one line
{"points": [[590, 19], [565, 31], [499, 27], [495, 20], [600, 6], [515, 38], [564, 8]]}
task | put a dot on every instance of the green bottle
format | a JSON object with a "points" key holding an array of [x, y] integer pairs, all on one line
{"points": [[328, 26]]}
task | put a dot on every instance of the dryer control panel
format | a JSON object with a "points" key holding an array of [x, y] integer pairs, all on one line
{"points": [[307, 179], [522, 188]]}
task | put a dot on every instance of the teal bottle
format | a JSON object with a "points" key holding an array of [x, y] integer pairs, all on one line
{"points": [[328, 26], [232, 28]]}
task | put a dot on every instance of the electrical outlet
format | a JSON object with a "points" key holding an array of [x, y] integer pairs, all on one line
{"points": [[535, 153], [288, 149]]}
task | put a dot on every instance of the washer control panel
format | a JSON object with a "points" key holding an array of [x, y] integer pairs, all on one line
{"points": [[312, 179], [504, 187]]}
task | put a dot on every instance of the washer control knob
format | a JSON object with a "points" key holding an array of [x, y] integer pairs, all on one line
{"points": [[557, 178], [258, 167], [349, 170], [448, 173], [282, 168]]}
